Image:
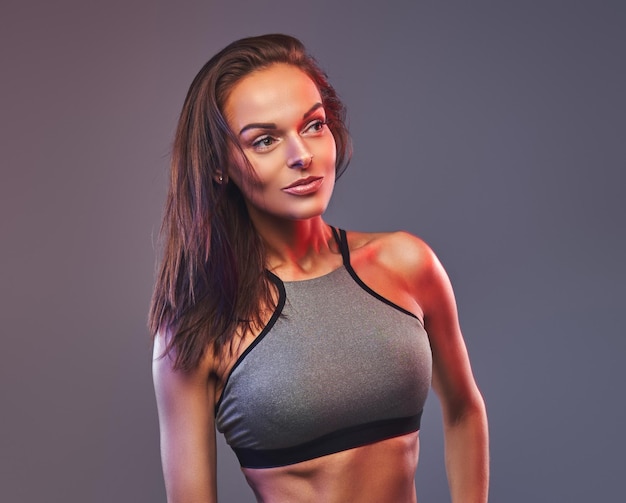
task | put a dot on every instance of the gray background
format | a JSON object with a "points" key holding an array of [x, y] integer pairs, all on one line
{"points": [[494, 130]]}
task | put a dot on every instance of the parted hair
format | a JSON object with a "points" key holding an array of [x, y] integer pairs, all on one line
{"points": [[211, 280]]}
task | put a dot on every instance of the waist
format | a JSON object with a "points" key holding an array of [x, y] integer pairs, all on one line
{"points": [[382, 471]]}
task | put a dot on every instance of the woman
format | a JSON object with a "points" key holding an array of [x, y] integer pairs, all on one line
{"points": [[310, 348]]}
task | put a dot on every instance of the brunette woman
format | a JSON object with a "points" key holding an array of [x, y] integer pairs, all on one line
{"points": [[312, 349]]}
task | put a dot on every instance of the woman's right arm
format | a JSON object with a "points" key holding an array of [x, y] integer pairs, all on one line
{"points": [[185, 401]]}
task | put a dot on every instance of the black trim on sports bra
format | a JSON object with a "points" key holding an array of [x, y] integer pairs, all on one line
{"points": [[342, 240], [282, 296], [337, 441]]}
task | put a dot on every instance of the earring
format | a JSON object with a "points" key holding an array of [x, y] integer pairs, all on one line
{"points": [[221, 178]]}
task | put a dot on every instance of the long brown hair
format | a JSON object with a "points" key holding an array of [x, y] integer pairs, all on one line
{"points": [[211, 279]]}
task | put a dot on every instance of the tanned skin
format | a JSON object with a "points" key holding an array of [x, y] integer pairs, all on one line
{"points": [[284, 136]]}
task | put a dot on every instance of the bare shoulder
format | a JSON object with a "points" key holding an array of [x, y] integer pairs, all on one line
{"points": [[163, 364], [411, 271], [400, 252]]}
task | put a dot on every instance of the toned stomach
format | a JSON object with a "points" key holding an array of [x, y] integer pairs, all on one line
{"points": [[382, 472]]}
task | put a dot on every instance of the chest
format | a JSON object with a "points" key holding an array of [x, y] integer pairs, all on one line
{"points": [[335, 356]]}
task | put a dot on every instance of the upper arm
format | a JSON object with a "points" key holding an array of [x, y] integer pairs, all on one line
{"points": [[185, 402], [453, 380]]}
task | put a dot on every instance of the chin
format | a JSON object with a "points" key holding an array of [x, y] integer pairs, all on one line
{"points": [[306, 214]]}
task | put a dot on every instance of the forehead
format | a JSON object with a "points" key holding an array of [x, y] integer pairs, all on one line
{"points": [[270, 94]]}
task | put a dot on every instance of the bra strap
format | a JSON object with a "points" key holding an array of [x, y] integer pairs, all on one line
{"points": [[342, 241]]}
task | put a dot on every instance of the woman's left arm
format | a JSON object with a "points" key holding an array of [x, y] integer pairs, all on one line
{"points": [[464, 414]]}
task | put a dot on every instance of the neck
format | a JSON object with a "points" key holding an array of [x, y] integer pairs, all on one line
{"points": [[298, 246]]}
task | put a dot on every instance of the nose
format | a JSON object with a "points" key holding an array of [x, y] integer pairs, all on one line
{"points": [[299, 155]]}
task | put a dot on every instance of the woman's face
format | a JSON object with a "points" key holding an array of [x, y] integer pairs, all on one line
{"points": [[277, 115]]}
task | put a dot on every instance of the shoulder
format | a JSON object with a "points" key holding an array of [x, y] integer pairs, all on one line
{"points": [[164, 362], [397, 251], [403, 257]]}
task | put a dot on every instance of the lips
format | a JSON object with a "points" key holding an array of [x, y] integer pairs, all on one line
{"points": [[304, 186]]}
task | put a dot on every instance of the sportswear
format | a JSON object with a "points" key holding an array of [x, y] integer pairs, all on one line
{"points": [[336, 367]]}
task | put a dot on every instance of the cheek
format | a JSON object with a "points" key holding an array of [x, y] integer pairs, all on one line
{"points": [[237, 166], [243, 172], [329, 151], [254, 177]]}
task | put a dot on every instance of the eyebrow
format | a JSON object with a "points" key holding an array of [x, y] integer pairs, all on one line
{"points": [[271, 125]]}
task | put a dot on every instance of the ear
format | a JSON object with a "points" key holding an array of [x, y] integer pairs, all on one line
{"points": [[220, 178]]}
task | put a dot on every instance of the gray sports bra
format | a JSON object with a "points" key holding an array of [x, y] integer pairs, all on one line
{"points": [[337, 366]]}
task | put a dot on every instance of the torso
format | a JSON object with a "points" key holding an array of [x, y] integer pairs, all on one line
{"points": [[377, 472], [382, 472]]}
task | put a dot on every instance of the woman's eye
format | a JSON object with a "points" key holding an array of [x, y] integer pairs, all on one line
{"points": [[315, 126], [263, 142]]}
